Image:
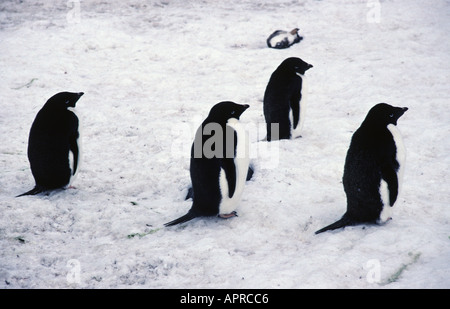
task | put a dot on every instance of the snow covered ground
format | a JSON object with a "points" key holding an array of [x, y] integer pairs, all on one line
{"points": [[150, 71]]}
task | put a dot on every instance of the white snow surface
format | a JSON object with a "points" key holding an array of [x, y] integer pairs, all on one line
{"points": [[151, 71]]}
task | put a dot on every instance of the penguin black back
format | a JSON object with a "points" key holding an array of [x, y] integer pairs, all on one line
{"points": [[213, 151], [283, 96], [53, 134], [372, 168]]}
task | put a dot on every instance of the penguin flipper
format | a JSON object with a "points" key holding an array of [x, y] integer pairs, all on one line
{"points": [[294, 103], [343, 222], [34, 191], [230, 173], [187, 217], [75, 152], [390, 176]]}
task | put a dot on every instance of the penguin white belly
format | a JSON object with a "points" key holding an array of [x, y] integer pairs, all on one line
{"points": [[71, 156], [401, 152], [241, 161], [301, 117], [386, 212], [73, 175], [276, 39], [282, 37]]}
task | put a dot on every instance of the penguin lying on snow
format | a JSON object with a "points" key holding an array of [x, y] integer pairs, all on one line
{"points": [[284, 99], [373, 168], [219, 163], [282, 39], [54, 133]]}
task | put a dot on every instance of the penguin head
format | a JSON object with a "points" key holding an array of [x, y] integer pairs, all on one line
{"points": [[63, 100], [297, 37], [223, 111], [384, 114], [296, 65], [294, 31]]}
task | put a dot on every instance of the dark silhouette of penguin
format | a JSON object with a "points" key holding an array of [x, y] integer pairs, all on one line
{"points": [[373, 168], [54, 133], [219, 163], [284, 99], [283, 39]]}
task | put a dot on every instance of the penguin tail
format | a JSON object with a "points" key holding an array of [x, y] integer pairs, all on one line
{"points": [[187, 217], [34, 191], [343, 222]]}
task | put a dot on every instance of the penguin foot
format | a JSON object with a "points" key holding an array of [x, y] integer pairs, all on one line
{"points": [[227, 216]]}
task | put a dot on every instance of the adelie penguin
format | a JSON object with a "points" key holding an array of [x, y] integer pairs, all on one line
{"points": [[53, 136], [219, 164], [373, 168], [285, 99], [283, 39]]}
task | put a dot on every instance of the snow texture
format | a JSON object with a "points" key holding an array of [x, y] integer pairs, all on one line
{"points": [[151, 71]]}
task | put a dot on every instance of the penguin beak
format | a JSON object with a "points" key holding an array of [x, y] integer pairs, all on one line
{"points": [[400, 112], [241, 110], [74, 102]]}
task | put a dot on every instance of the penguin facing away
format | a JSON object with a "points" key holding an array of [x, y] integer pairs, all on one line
{"points": [[281, 39], [53, 137], [373, 169], [285, 99], [219, 164]]}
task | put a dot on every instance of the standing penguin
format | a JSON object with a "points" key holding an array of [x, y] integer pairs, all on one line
{"points": [[282, 39], [373, 169], [219, 163], [284, 99], [53, 135]]}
